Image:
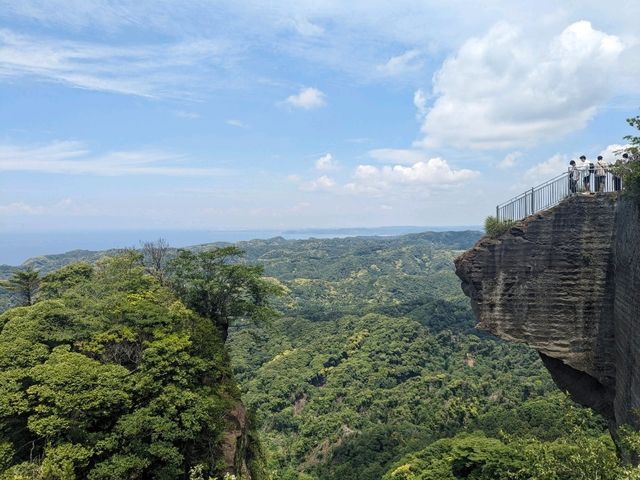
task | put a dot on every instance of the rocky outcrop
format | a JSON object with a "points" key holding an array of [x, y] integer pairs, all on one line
{"points": [[567, 282], [235, 443]]}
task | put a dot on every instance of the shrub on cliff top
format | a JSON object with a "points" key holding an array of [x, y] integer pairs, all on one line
{"points": [[495, 227], [630, 172]]}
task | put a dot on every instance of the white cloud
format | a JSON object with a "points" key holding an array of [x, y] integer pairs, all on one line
{"points": [[550, 168], [187, 115], [307, 98], [66, 206], [73, 158], [321, 183], [510, 160], [304, 27], [398, 155], [21, 208], [504, 89], [148, 70], [612, 152], [420, 102], [409, 61], [235, 123], [326, 163], [434, 172]]}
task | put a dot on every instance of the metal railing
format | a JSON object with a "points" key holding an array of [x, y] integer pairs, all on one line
{"points": [[552, 192]]}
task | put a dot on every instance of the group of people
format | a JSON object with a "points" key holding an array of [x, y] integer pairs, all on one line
{"points": [[582, 173]]}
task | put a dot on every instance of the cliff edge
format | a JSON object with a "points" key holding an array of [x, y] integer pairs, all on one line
{"points": [[566, 281]]}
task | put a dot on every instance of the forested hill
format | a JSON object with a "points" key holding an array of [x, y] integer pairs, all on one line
{"points": [[374, 369], [376, 358], [280, 257]]}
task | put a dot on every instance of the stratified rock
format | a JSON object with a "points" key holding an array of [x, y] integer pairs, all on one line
{"points": [[235, 442], [567, 283]]}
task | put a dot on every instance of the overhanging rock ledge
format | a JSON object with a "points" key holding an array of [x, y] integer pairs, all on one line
{"points": [[566, 282]]}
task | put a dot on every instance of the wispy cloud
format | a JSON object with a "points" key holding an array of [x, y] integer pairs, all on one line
{"points": [[307, 98], [235, 123], [321, 183], [408, 62], [401, 156], [326, 163], [148, 71], [510, 160], [74, 158], [420, 102], [187, 115], [65, 206]]}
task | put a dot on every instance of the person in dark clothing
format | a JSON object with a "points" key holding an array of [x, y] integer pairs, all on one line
{"points": [[574, 174], [617, 180]]}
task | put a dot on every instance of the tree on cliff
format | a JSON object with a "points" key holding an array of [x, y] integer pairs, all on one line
{"points": [[634, 140], [110, 376], [155, 256], [219, 288], [24, 284], [631, 171]]}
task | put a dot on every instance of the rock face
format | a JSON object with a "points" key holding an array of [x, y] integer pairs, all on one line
{"points": [[567, 282], [235, 443]]}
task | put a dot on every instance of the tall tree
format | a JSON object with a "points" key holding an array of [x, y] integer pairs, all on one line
{"points": [[155, 258], [630, 172], [24, 284], [634, 140], [214, 284]]}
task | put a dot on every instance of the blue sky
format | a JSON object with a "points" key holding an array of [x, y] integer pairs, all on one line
{"points": [[260, 115]]}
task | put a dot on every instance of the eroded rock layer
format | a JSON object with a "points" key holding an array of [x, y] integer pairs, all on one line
{"points": [[567, 282]]}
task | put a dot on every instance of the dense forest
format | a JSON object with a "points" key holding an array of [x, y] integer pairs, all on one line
{"points": [[372, 369], [108, 373], [375, 370]]}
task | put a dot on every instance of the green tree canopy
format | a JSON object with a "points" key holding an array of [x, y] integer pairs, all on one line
{"points": [[217, 286], [24, 284], [110, 376]]}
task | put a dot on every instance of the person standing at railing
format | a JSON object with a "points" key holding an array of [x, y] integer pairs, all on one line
{"points": [[617, 180], [574, 175], [601, 174], [584, 171]]}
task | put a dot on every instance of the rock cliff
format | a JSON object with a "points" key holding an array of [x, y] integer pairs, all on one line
{"points": [[566, 282]]}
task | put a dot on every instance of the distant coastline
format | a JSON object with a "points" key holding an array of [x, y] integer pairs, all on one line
{"points": [[16, 247]]}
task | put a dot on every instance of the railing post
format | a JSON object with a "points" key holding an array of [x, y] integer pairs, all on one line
{"points": [[533, 205], [497, 212]]}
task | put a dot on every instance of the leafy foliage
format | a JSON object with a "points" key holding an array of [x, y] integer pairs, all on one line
{"points": [[581, 453], [495, 227], [24, 284], [630, 171], [110, 376], [212, 283], [377, 358], [374, 370]]}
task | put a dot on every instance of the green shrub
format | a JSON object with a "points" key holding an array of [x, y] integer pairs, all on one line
{"points": [[630, 171], [630, 174], [494, 227]]}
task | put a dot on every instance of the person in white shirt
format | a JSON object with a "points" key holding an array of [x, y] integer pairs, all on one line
{"points": [[583, 166], [601, 174]]}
